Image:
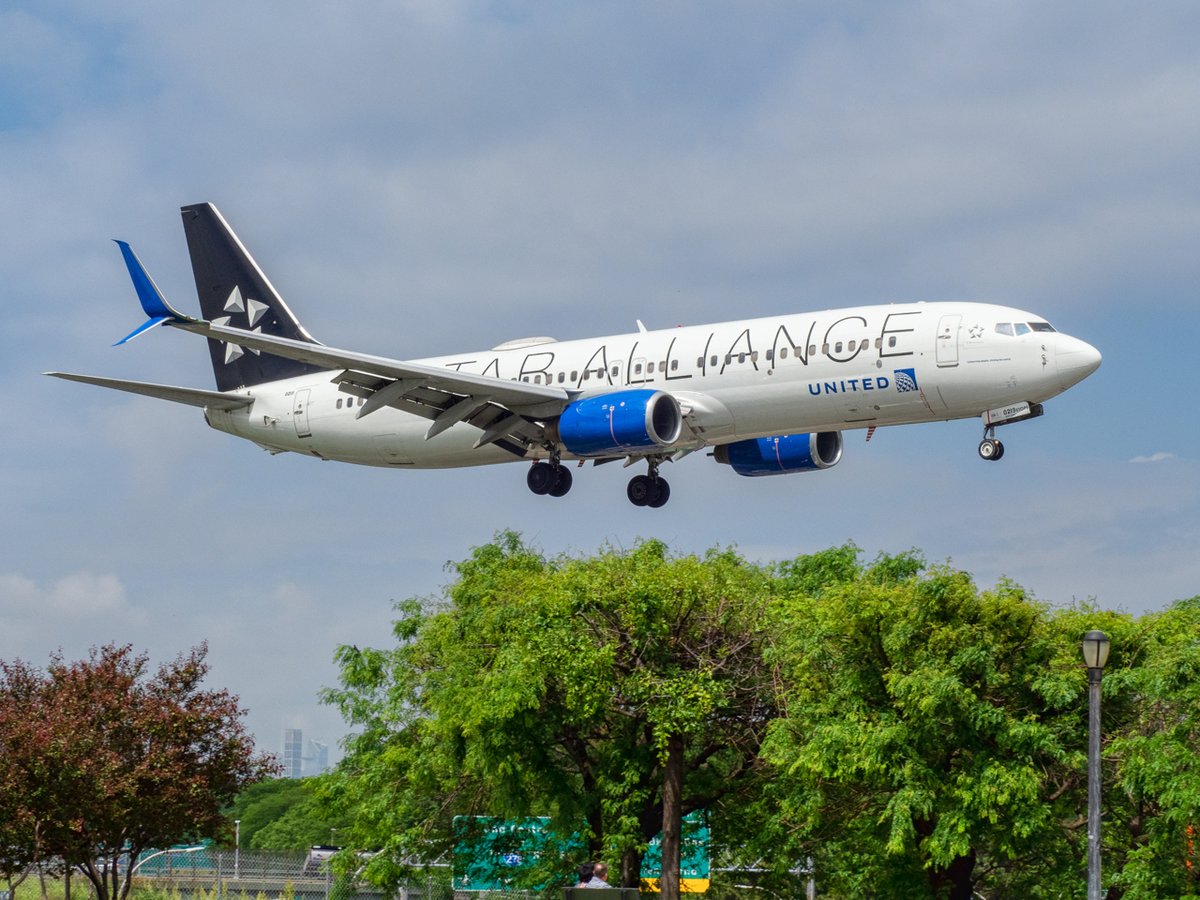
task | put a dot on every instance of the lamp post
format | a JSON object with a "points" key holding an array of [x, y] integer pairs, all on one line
{"points": [[1095, 655], [237, 848]]}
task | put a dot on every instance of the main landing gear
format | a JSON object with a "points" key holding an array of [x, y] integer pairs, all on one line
{"points": [[554, 479], [551, 478], [650, 489], [990, 448]]}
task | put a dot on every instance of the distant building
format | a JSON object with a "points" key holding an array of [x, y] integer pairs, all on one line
{"points": [[317, 762], [293, 753]]}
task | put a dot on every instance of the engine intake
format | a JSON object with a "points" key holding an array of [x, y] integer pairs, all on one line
{"points": [[782, 454], [620, 422]]}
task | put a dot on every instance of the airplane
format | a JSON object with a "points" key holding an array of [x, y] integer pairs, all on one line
{"points": [[767, 395]]}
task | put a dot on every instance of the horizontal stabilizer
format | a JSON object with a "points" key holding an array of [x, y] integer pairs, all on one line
{"points": [[190, 396]]}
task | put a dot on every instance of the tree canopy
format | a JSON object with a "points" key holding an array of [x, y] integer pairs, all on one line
{"points": [[907, 733], [102, 759], [614, 694]]}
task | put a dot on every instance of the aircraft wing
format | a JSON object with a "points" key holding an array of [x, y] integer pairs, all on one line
{"points": [[530, 399], [190, 396], [506, 411]]}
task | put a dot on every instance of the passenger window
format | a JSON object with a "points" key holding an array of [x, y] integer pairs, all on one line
{"points": [[1005, 328], [892, 341], [674, 365], [825, 349], [812, 349], [699, 362], [339, 403], [662, 366], [713, 361], [770, 355], [754, 356], [649, 368], [878, 343], [741, 357], [574, 374], [837, 348], [615, 371], [728, 358], [1022, 328], [562, 376], [637, 370], [783, 352]]}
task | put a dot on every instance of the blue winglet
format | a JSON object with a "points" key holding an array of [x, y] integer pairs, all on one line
{"points": [[151, 298]]}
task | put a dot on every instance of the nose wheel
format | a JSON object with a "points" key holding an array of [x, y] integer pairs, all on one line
{"points": [[990, 448]]}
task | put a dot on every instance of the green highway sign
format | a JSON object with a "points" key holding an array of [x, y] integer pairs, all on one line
{"points": [[496, 854]]}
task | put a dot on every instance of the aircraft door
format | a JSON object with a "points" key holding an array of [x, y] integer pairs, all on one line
{"points": [[300, 413], [947, 341]]}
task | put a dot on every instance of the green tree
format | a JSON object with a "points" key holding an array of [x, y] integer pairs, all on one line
{"points": [[617, 692], [109, 760], [283, 814], [1151, 721], [924, 748]]}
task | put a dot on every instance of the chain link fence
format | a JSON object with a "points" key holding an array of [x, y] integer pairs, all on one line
{"points": [[210, 874]]}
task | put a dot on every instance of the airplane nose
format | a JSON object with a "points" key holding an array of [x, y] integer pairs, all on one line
{"points": [[1076, 360]]}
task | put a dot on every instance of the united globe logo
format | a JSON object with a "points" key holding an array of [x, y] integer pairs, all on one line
{"points": [[906, 380]]}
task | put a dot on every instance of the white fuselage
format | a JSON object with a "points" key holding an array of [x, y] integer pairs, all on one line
{"points": [[825, 371]]}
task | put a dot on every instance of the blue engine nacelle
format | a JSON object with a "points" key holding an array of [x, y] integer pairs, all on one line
{"points": [[781, 454], [620, 422]]}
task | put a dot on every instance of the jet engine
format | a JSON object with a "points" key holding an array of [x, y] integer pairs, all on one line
{"points": [[782, 453], [620, 422]]}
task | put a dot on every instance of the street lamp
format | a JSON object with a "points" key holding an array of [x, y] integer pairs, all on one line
{"points": [[1095, 655], [237, 848]]}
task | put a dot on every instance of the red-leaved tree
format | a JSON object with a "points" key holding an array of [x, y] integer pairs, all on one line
{"points": [[103, 759]]}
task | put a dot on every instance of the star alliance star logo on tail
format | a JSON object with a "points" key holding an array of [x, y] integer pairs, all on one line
{"points": [[253, 309], [906, 380]]}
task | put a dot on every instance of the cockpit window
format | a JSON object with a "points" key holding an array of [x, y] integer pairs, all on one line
{"points": [[1022, 328], [1004, 328], [1041, 326]]}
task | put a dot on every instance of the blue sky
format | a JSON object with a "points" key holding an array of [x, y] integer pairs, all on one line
{"points": [[422, 178]]}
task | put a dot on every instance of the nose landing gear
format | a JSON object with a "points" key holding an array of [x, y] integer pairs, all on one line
{"points": [[990, 448]]}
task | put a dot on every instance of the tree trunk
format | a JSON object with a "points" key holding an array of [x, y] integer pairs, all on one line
{"points": [[672, 827], [954, 882], [631, 868]]}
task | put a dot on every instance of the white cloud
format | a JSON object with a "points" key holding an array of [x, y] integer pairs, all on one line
{"points": [[73, 613], [80, 595], [1160, 456]]}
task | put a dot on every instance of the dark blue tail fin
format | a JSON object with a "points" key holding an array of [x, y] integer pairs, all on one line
{"points": [[234, 291]]}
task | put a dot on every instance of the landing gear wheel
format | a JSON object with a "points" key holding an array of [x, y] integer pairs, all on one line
{"points": [[541, 478], [990, 449], [562, 481], [639, 490], [662, 494], [648, 490]]}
